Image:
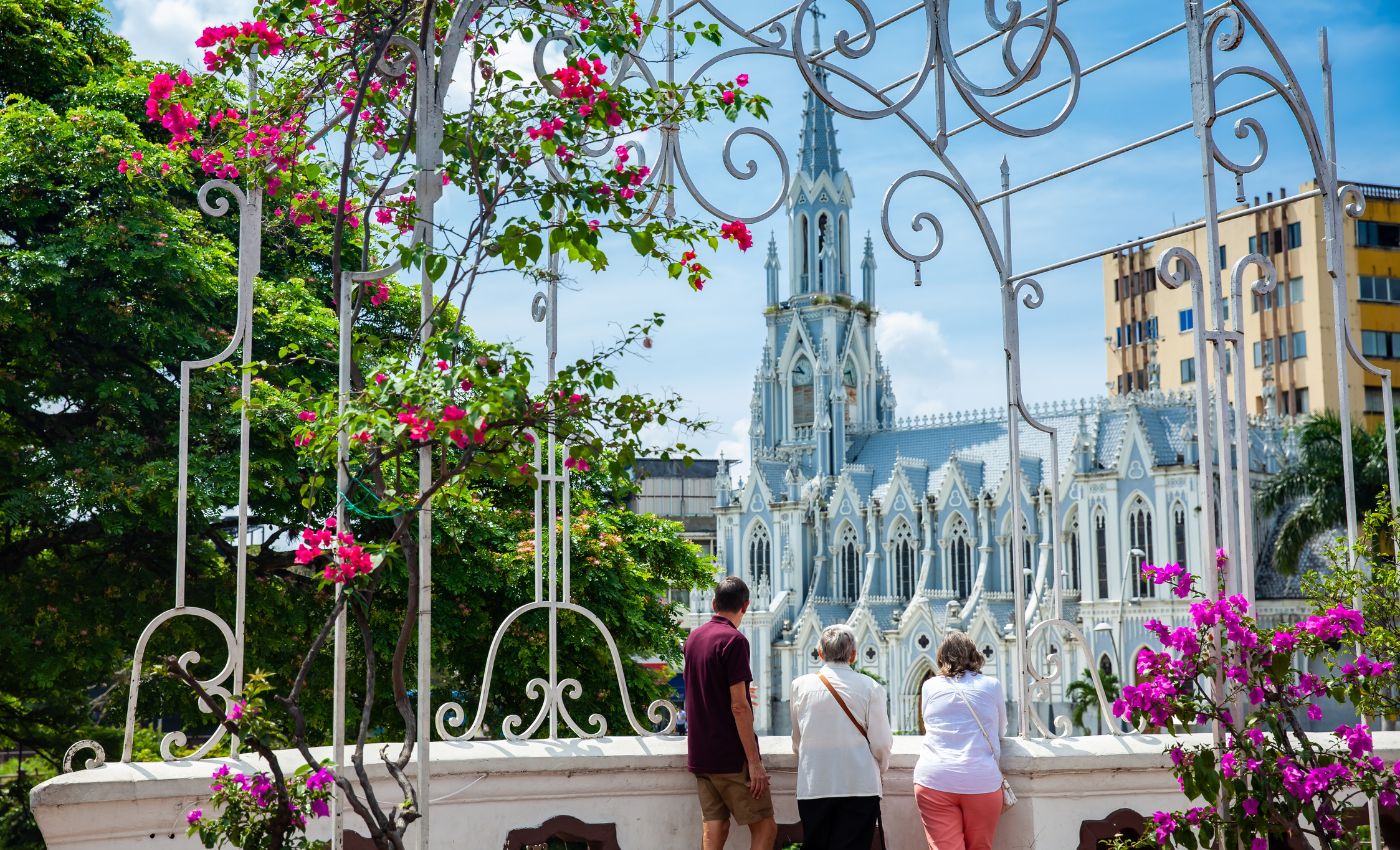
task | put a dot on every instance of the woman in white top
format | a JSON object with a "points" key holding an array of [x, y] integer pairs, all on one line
{"points": [[841, 751], [957, 781]]}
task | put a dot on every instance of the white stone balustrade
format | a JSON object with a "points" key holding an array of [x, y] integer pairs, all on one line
{"points": [[487, 788]]}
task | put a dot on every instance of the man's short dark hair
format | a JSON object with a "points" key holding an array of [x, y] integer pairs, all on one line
{"points": [[731, 595]]}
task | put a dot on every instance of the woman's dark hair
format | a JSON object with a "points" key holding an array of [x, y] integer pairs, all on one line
{"points": [[731, 595], [958, 655]]}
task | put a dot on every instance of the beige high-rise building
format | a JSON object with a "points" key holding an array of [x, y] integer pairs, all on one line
{"points": [[1290, 354]]}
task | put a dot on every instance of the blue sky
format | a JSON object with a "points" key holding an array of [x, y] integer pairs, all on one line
{"points": [[943, 340]]}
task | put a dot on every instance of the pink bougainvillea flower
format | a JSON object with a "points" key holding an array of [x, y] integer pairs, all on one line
{"points": [[727, 96], [306, 416], [741, 80], [738, 232], [194, 817]]}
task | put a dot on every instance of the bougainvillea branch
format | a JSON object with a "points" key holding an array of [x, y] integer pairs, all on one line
{"points": [[360, 115]]}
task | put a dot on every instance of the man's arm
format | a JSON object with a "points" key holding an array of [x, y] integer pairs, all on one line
{"points": [[743, 719]]}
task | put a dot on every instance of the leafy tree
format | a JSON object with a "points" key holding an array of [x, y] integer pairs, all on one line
{"points": [[1310, 493], [1083, 697], [113, 277]]}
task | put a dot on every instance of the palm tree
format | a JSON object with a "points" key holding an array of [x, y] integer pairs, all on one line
{"points": [[1083, 697], [1310, 492]]}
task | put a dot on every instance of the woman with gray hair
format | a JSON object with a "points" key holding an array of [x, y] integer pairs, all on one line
{"points": [[957, 780], [841, 735]]}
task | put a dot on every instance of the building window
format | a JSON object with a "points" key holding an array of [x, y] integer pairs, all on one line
{"points": [[848, 383], [760, 555], [904, 561], [1381, 344], [1295, 235], [802, 397], [1375, 400], [1300, 401], [1375, 234], [1188, 370], [1140, 537], [1101, 553], [1259, 244], [1300, 344], [1295, 291], [1266, 300], [847, 565], [1223, 262], [1185, 320], [1383, 289], [960, 561], [1072, 553], [1263, 354], [1179, 532]]}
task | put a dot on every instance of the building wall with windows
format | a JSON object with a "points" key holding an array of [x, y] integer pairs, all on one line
{"points": [[1290, 354]]}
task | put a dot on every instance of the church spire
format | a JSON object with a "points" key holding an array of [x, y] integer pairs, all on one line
{"points": [[819, 151]]}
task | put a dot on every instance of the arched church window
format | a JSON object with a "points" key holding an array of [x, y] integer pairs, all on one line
{"points": [[760, 554], [1179, 532], [848, 383], [823, 225], [803, 406], [1027, 563], [1072, 552], [960, 560], [903, 552], [847, 565], [1101, 553], [806, 249], [1140, 537]]}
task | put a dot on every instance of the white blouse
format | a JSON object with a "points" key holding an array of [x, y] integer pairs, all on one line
{"points": [[955, 757], [833, 760]]}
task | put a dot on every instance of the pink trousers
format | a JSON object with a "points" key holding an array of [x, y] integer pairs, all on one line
{"points": [[958, 821]]}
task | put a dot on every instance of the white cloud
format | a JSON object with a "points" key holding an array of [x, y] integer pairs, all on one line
{"points": [[735, 447], [166, 29], [929, 377]]}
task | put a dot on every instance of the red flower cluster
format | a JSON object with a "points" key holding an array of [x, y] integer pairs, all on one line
{"points": [[223, 39], [350, 559], [583, 81], [738, 232]]}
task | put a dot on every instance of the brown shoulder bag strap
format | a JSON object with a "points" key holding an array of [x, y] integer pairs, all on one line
{"points": [[842, 703]]}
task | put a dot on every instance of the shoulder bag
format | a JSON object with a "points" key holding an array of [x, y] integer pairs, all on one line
{"points": [[1008, 797], [879, 818]]}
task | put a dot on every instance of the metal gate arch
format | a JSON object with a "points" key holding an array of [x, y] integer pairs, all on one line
{"points": [[1211, 36]]}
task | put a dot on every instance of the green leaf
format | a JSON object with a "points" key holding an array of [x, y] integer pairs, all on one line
{"points": [[436, 265]]}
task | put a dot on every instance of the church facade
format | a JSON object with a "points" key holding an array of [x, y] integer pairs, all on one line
{"points": [[902, 528]]}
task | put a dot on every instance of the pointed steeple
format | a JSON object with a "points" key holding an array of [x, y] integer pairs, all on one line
{"points": [[867, 272], [772, 266], [819, 151]]}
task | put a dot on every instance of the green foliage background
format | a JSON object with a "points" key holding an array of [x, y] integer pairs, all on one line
{"points": [[106, 284]]}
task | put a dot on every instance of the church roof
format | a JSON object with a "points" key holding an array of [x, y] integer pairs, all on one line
{"points": [[976, 443]]}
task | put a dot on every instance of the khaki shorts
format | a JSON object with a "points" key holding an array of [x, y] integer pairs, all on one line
{"points": [[725, 794]]}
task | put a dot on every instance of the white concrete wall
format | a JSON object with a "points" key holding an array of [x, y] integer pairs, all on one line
{"points": [[483, 790]]}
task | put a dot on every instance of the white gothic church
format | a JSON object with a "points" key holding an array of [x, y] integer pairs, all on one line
{"points": [[902, 529]]}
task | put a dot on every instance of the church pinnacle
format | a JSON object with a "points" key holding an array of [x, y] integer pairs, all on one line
{"points": [[819, 151]]}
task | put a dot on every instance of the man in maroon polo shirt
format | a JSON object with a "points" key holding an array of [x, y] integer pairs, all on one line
{"points": [[723, 750]]}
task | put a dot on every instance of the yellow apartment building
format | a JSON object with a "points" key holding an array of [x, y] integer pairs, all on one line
{"points": [[1290, 356]]}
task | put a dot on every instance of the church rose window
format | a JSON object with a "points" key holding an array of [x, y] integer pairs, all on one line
{"points": [[760, 555], [848, 565]]}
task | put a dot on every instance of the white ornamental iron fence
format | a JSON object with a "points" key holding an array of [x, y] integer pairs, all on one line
{"points": [[1211, 36]]}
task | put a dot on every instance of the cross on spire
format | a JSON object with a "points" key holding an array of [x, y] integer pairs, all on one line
{"points": [[817, 15]]}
